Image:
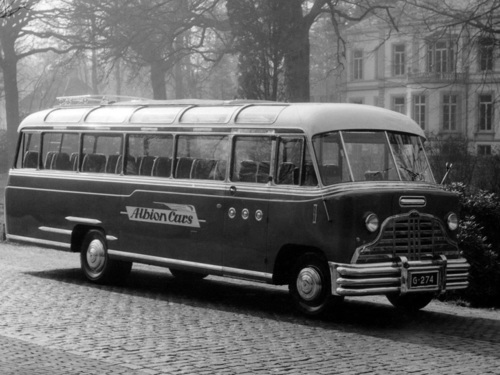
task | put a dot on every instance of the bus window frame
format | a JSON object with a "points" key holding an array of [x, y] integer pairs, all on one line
{"points": [[272, 157]]}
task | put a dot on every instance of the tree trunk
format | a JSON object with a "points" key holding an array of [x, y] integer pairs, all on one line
{"points": [[158, 81], [297, 64], [179, 81], [11, 104]]}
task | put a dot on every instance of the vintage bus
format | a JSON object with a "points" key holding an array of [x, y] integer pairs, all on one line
{"points": [[332, 200]]}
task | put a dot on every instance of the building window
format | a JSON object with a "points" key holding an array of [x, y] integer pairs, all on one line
{"points": [[419, 110], [441, 57], [485, 112], [399, 104], [486, 46], [484, 150], [398, 59], [357, 65], [450, 112]]}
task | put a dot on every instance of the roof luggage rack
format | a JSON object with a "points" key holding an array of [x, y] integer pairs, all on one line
{"points": [[92, 100]]}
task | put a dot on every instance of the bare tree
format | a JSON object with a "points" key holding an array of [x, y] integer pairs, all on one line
{"points": [[29, 29], [292, 21], [154, 34]]}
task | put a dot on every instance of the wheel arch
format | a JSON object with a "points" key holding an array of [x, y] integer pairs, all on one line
{"points": [[286, 259], [78, 236]]}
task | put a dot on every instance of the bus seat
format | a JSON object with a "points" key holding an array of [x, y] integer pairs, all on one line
{"points": [[61, 162], [112, 164], [219, 172], [309, 176], [30, 159], [73, 160], [184, 167], [263, 172], [49, 158], [95, 163], [287, 174], [131, 165], [330, 174], [248, 171], [146, 165], [203, 169], [162, 166]]}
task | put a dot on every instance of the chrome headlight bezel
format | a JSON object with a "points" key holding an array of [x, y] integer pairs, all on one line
{"points": [[372, 222], [452, 221]]}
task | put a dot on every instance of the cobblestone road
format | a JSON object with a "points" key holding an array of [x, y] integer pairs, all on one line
{"points": [[53, 322]]}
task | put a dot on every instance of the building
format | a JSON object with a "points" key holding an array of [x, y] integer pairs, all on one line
{"points": [[446, 78]]}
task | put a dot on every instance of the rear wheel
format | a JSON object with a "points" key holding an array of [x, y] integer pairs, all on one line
{"points": [[95, 262], [410, 302], [310, 284]]}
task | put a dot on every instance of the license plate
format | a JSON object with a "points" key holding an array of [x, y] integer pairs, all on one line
{"points": [[423, 279]]}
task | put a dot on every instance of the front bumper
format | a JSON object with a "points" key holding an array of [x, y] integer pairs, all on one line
{"points": [[393, 277]]}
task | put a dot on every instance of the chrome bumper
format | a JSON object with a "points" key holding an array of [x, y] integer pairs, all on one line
{"points": [[393, 277]]}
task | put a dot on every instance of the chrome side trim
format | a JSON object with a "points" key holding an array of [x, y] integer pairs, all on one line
{"points": [[169, 262], [38, 241], [83, 220], [56, 230]]}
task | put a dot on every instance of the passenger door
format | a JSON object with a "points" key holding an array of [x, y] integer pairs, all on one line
{"points": [[246, 207]]}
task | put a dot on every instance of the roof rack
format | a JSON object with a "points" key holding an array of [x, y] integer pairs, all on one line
{"points": [[89, 100]]}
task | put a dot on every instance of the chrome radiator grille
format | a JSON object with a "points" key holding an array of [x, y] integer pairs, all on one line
{"points": [[415, 236]]}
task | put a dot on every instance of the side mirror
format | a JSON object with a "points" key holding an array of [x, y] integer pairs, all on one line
{"points": [[448, 169]]}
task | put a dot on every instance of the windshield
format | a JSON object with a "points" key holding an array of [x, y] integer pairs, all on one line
{"points": [[371, 156]]}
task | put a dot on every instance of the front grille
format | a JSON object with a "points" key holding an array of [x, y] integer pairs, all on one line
{"points": [[415, 236]]}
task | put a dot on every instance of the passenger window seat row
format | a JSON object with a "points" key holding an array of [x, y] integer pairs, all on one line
{"points": [[161, 166]]}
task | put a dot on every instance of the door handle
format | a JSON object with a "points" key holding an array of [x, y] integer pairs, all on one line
{"points": [[232, 190]]}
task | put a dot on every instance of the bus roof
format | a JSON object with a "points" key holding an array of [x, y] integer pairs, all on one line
{"points": [[310, 118]]}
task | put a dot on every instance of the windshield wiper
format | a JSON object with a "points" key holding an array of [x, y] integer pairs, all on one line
{"points": [[415, 176]]}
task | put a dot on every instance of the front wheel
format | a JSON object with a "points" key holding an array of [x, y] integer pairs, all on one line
{"points": [[95, 262], [410, 302], [310, 284]]}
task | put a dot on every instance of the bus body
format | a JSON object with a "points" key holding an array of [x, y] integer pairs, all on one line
{"points": [[332, 199]]}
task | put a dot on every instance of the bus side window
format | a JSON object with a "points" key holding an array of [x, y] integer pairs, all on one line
{"points": [[252, 157], [149, 155], [57, 149], [290, 151], [101, 153], [28, 151], [201, 157]]}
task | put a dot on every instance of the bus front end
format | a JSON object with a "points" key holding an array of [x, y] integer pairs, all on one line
{"points": [[394, 228]]}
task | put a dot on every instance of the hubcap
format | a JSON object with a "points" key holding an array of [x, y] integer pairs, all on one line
{"points": [[309, 283], [96, 256]]}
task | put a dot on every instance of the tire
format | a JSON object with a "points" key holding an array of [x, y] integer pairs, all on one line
{"points": [[410, 302], [310, 285], [187, 275], [95, 263]]}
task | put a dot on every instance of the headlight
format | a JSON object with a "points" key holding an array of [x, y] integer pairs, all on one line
{"points": [[371, 222], [452, 220]]}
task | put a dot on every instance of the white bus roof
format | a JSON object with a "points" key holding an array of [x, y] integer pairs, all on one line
{"points": [[309, 118]]}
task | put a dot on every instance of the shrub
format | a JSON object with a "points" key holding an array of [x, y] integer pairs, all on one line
{"points": [[479, 240]]}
